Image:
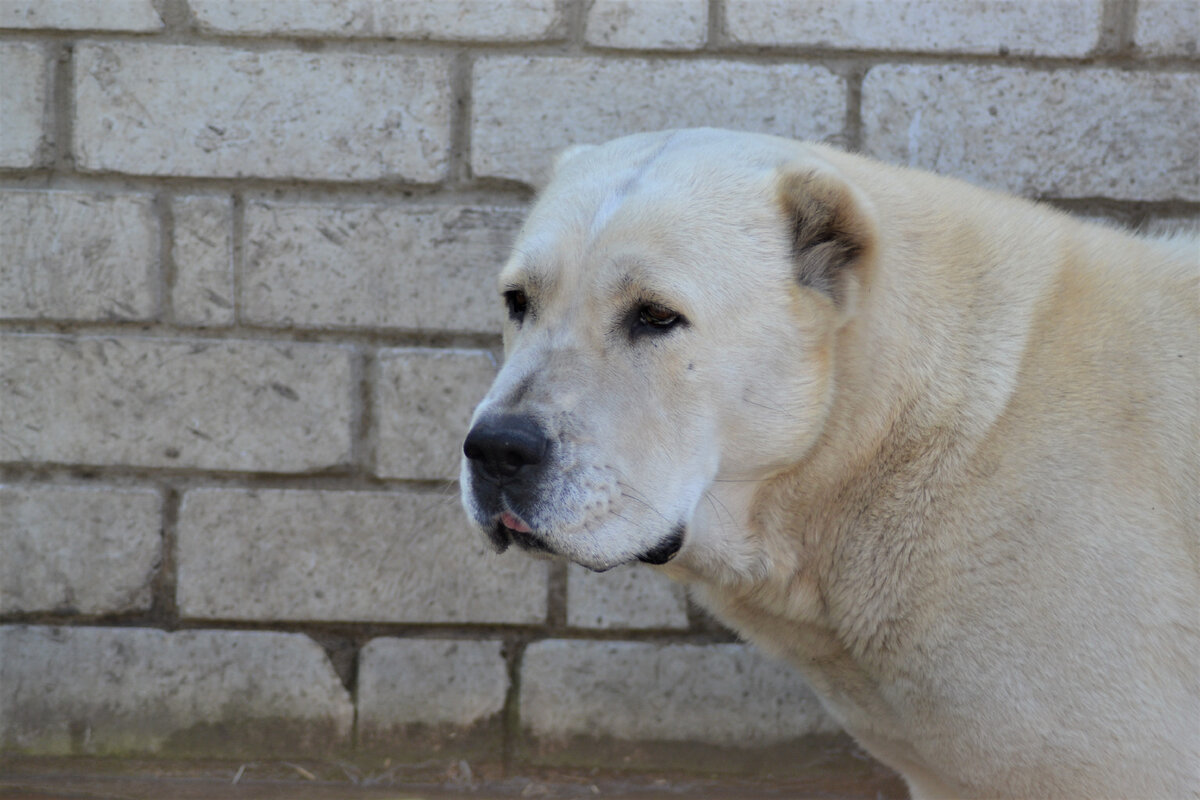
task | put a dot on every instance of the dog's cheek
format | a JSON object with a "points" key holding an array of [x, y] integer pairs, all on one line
{"points": [[781, 405]]}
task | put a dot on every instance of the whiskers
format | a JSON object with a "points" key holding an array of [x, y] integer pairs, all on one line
{"points": [[723, 514], [630, 493], [447, 491], [747, 396]]}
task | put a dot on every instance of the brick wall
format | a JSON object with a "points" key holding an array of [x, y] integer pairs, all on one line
{"points": [[246, 307]]}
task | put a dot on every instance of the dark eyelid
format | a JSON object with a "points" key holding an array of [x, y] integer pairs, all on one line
{"points": [[637, 327], [516, 300]]}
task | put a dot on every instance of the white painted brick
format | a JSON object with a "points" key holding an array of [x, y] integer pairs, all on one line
{"points": [[1046, 27], [450, 20], [229, 405], [722, 694], [152, 109], [423, 407], [1168, 27], [358, 556], [80, 550], [101, 691], [23, 104], [80, 15], [626, 597], [376, 266], [590, 100], [648, 24], [406, 682], [1062, 133], [202, 251], [72, 255]]}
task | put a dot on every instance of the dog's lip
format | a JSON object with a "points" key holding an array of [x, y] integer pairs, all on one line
{"points": [[514, 523], [667, 549], [507, 528]]}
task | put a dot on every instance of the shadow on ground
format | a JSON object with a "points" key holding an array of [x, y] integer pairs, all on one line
{"points": [[847, 776]]}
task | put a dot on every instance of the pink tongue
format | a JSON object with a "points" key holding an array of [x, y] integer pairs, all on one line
{"points": [[512, 521]]}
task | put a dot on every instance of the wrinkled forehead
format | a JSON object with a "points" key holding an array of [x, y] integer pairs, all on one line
{"points": [[642, 241], [648, 209]]}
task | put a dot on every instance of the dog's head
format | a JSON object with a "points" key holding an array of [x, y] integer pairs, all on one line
{"points": [[672, 301]]}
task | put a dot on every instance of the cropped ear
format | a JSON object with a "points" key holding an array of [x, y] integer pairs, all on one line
{"points": [[831, 227]]}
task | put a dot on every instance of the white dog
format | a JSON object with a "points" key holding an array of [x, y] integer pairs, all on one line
{"points": [[936, 446]]}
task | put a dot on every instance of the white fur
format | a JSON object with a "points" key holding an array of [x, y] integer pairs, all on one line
{"points": [[958, 489]]}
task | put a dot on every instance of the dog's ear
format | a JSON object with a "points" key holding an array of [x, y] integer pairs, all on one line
{"points": [[831, 228]]}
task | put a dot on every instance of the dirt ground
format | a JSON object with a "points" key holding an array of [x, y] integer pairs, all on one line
{"points": [[106, 779]]}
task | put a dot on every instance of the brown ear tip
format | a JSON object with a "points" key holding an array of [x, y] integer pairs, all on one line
{"points": [[829, 223]]}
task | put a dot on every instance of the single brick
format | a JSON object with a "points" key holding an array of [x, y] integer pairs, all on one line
{"points": [[78, 550], [1044, 28], [228, 405], [450, 20], [81, 15], [120, 691], [355, 556], [590, 100], [202, 251], [1168, 27], [1040, 133], [152, 109], [639, 691], [23, 104], [377, 266], [648, 24], [78, 256], [423, 407], [627, 597], [442, 689]]}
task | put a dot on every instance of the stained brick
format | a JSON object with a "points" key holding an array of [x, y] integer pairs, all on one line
{"points": [[452, 686], [230, 405], [202, 252], [23, 105], [451, 20], [641, 691], [78, 256], [80, 15], [80, 550], [1040, 132], [1046, 28], [626, 597], [590, 100], [648, 24], [376, 266], [362, 556], [1168, 27], [120, 691], [273, 114], [423, 408]]}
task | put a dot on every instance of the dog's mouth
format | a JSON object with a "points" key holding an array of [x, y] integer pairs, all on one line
{"points": [[665, 550], [508, 528]]}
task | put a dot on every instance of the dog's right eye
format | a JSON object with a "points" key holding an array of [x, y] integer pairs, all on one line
{"points": [[517, 304]]}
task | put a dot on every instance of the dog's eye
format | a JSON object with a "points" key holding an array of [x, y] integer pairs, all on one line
{"points": [[654, 315], [517, 304]]}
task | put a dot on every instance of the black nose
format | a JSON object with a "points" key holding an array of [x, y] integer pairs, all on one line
{"points": [[502, 446]]}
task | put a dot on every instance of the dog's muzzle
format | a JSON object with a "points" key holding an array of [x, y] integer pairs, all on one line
{"points": [[505, 454], [500, 449]]}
